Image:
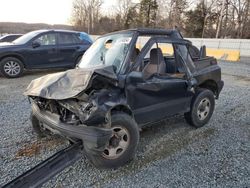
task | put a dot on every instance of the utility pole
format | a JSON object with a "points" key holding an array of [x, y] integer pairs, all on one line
{"points": [[204, 13], [89, 17], [221, 18]]}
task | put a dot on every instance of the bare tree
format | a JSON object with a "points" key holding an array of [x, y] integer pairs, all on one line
{"points": [[177, 9], [220, 19], [207, 9], [123, 7], [207, 18], [241, 14], [86, 13]]}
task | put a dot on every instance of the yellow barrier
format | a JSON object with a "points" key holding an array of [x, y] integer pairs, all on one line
{"points": [[224, 54], [221, 54]]}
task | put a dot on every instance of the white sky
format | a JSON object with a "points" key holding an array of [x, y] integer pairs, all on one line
{"points": [[40, 11]]}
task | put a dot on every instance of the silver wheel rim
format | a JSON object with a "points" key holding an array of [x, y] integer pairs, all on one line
{"points": [[12, 68], [203, 109], [118, 143]]}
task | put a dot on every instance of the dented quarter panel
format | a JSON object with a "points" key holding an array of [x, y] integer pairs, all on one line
{"points": [[208, 73]]}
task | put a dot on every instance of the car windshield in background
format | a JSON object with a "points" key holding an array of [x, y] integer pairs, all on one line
{"points": [[107, 51], [26, 38]]}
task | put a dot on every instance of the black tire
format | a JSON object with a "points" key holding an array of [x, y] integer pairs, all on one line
{"points": [[36, 125], [127, 123], [11, 67], [202, 108]]}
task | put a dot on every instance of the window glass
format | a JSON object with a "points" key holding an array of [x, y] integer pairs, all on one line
{"points": [[79, 40], [109, 50], [194, 52], [47, 39], [65, 38], [27, 37], [183, 51], [85, 37]]}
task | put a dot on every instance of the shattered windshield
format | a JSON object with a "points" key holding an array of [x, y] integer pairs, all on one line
{"points": [[107, 51]]}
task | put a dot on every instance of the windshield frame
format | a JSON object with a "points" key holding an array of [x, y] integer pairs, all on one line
{"points": [[128, 54], [126, 63]]}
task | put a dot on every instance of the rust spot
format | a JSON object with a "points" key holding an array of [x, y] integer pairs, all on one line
{"points": [[33, 149], [29, 150]]}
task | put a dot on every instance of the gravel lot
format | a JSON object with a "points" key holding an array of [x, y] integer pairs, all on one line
{"points": [[170, 153]]}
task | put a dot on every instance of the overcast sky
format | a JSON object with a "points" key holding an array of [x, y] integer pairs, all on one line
{"points": [[40, 11]]}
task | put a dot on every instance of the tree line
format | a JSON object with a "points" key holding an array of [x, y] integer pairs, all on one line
{"points": [[22, 28], [203, 18]]}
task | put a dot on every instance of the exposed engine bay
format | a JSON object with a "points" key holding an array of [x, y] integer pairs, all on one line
{"points": [[89, 107]]}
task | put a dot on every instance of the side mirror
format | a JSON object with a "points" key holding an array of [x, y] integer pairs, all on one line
{"points": [[203, 52], [135, 77], [36, 44]]}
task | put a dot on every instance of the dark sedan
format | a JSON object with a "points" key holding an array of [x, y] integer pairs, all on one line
{"points": [[10, 37], [43, 49]]}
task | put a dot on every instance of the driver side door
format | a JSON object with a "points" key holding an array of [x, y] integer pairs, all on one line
{"points": [[158, 96]]}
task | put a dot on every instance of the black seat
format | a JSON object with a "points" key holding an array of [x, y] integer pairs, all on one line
{"points": [[156, 63]]}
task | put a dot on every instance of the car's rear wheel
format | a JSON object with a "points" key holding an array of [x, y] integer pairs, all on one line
{"points": [[202, 107], [11, 67], [122, 145]]}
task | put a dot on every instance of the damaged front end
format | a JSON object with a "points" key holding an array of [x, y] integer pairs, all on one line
{"points": [[84, 114]]}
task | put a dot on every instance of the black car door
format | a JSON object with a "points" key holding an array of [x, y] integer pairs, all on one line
{"points": [[159, 95], [70, 48], [157, 98], [42, 52]]}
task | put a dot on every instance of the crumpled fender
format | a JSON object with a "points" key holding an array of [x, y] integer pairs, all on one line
{"points": [[61, 85], [65, 85]]}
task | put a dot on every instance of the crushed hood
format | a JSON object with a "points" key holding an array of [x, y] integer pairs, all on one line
{"points": [[61, 85], [64, 85]]}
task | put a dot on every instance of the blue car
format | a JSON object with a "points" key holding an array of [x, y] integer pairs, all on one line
{"points": [[43, 49], [10, 37]]}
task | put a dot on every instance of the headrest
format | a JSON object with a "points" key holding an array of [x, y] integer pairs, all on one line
{"points": [[155, 55]]}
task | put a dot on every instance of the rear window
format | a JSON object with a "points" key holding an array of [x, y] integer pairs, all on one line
{"points": [[68, 38]]}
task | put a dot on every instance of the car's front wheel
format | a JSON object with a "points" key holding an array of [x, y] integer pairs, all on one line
{"points": [[202, 107], [122, 145], [11, 67]]}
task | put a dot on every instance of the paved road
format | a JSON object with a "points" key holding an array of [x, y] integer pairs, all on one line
{"points": [[170, 154]]}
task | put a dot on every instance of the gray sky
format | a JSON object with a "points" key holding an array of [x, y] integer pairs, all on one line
{"points": [[40, 11]]}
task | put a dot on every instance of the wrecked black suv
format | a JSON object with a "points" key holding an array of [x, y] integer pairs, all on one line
{"points": [[125, 80]]}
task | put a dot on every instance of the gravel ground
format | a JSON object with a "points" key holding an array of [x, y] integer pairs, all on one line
{"points": [[170, 153]]}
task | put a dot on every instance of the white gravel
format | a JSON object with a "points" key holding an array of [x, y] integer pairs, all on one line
{"points": [[170, 153]]}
